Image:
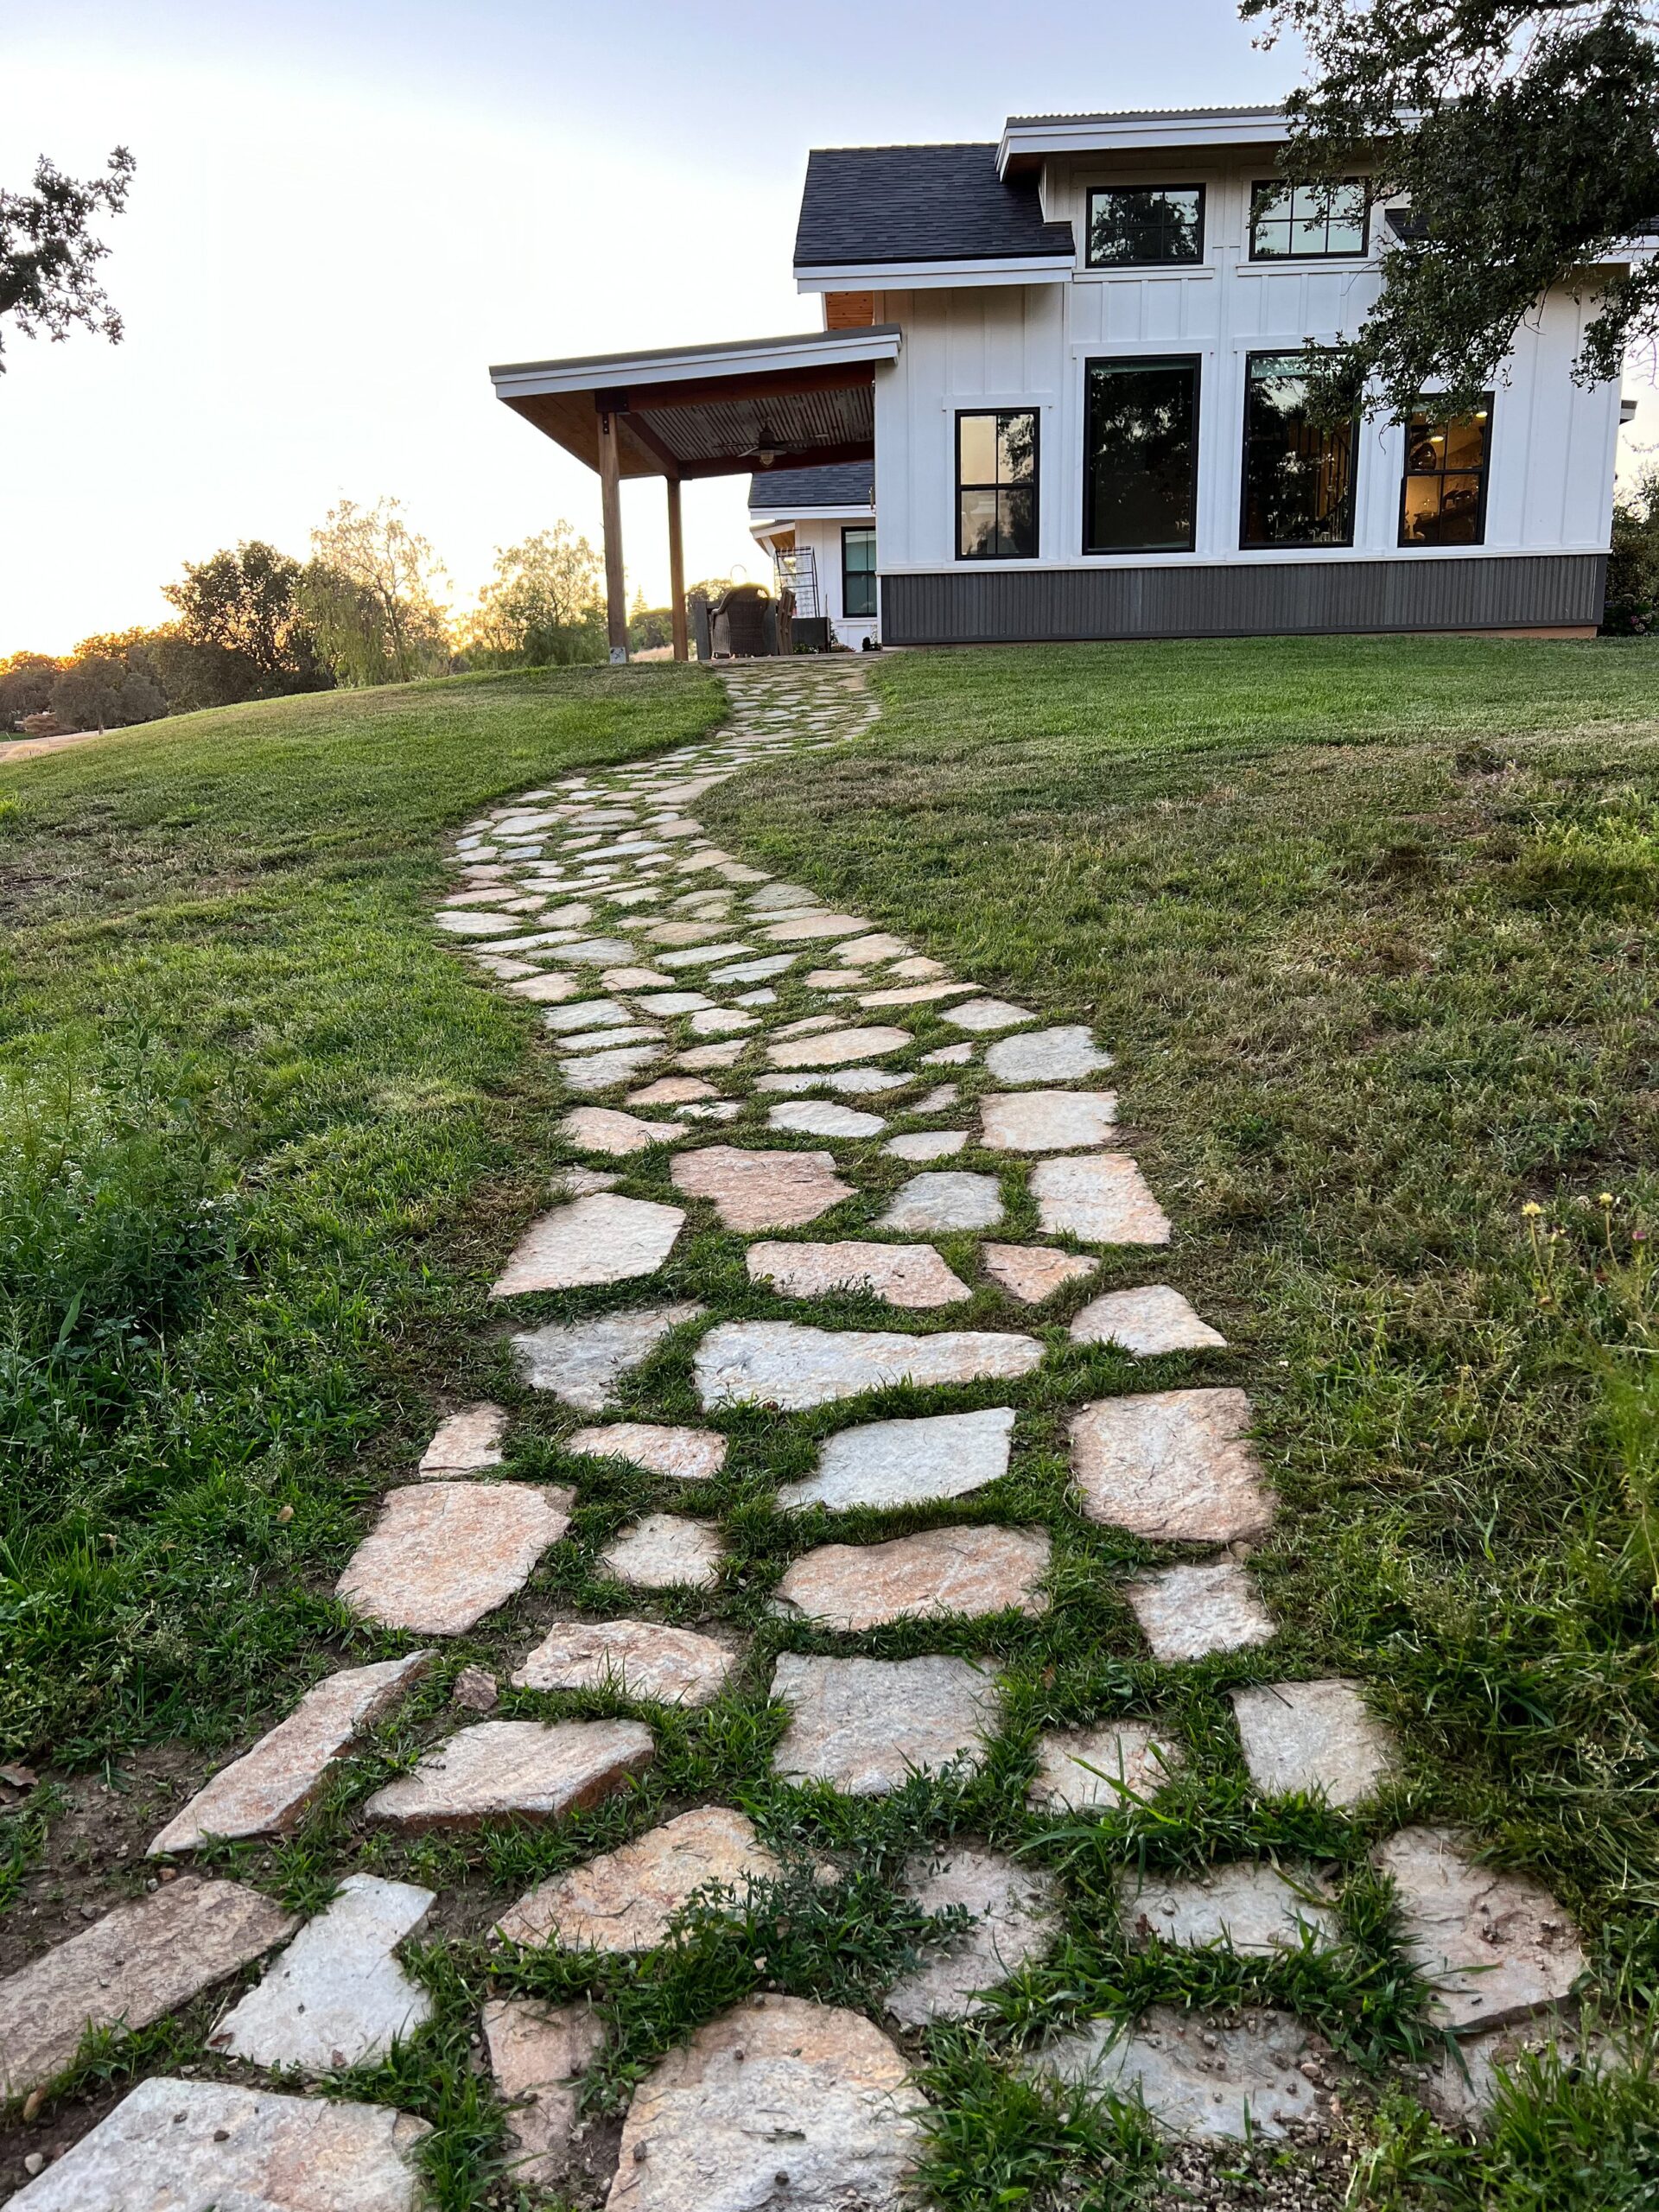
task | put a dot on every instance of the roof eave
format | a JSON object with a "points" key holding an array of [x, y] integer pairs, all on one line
{"points": [[936, 275], [1028, 141], [809, 349]]}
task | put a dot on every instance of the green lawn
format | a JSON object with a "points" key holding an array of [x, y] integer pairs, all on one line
{"points": [[252, 1114], [1371, 927]]}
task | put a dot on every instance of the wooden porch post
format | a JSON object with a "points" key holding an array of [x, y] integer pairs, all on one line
{"points": [[610, 485], [676, 570]]}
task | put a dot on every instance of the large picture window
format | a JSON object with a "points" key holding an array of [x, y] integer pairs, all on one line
{"points": [[1140, 454], [1144, 226], [1307, 222], [1443, 498], [996, 486], [858, 570], [1299, 477]]}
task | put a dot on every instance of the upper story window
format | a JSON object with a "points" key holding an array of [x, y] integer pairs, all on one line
{"points": [[996, 485], [1308, 222], [858, 570], [1144, 226], [1443, 498], [1299, 476]]}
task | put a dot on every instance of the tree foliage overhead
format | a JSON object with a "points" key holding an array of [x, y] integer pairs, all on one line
{"points": [[369, 594], [544, 606], [1525, 140], [48, 256]]}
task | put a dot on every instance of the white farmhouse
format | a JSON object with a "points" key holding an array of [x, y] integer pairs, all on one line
{"points": [[1058, 395]]}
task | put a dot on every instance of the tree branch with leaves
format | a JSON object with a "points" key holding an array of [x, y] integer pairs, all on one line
{"points": [[1525, 141], [48, 256]]}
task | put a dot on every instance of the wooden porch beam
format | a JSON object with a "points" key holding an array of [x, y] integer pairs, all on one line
{"points": [[610, 485], [676, 572]]}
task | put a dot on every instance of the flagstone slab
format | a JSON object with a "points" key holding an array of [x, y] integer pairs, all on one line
{"points": [[520, 1768], [867, 951], [852, 1588], [1492, 1946], [953, 1199], [468, 922], [778, 2087], [444, 1554], [1462, 2086], [917, 969], [337, 1996], [1175, 1466], [1047, 1121], [1015, 1918], [581, 1361], [838, 1048], [1101, 1198], [598, 951], [1234, 2076], [684, 933], [601, 1239], [864, 1724], [1250, 1907], [761, 1190], [636, 979], [173, 2146], [623, 1900], [685, 1455], [467, 1440], [660, 1005], [785, 1364], [1060, 1055], [1145, 1323], [1079, 1769], [912, 1275], [711, 1056], [581, 1182], [926, 1144], [138, 1963], [822, 1117], [1313, 1737], [948, 1056], [806, 928], [852, 1083], [637, 1659], [666, 1552], [782, 897], [606, 1040], [755, 971], [267, 1790], [699, 955], [603, 1128], [673, 1090], [538, 2054], [906, 1462], [604, 1070], [939, 1100], [1187, 1612], [1031, 1273], [986, 1015], [915, 994], [548, 989]]}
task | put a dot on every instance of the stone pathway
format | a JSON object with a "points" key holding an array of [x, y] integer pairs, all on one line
{"points": [[779, 1057]]}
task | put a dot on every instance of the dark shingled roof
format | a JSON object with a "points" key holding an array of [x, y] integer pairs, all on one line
{"points": [[794, 490], [920, 203]]}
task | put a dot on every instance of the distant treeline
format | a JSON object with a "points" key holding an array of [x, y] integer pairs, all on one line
{"points": [[368, 607]]}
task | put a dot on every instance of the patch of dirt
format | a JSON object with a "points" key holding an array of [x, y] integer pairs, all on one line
{"points": [[94, 1855]]}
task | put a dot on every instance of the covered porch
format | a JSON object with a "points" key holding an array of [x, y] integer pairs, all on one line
{"points": [[690, 411]]}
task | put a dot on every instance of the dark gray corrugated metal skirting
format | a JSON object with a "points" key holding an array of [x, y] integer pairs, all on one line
{"points": [[960, 607]]}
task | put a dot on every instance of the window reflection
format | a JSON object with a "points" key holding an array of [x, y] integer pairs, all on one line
{"points": [[1298, 476], [996, 485]]}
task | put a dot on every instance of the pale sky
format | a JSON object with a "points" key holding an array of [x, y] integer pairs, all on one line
{"points": [[344, 212]]}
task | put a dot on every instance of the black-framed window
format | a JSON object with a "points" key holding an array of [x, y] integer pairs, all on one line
{"points": [[1299, 476], [996, 485], [1144, 226], [1140, 455], [1308, 222], [1443, 493], [858, 568]]}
